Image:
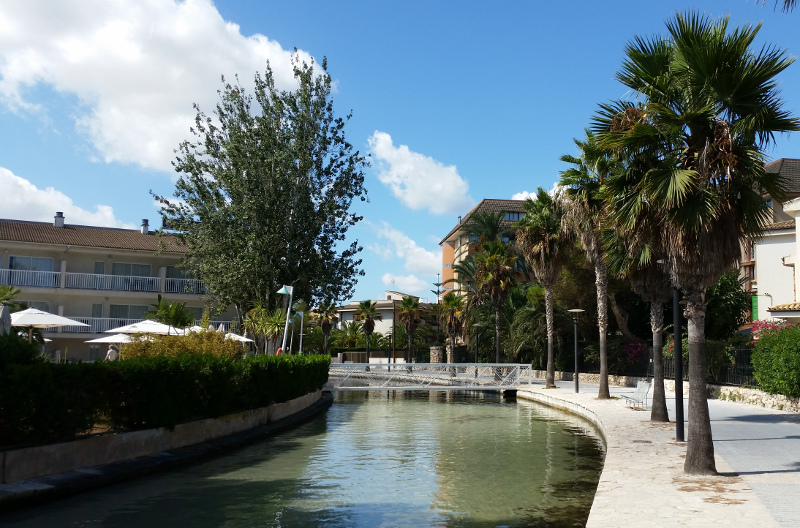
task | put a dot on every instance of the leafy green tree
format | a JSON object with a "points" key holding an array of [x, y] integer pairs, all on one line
{"points": [[710, 106], [174, 314], [264, 193], [367, 312], [326, 314], [495, 276], [728, 305], [586, 217], [541, 238], [408, 312], [451, 313]]}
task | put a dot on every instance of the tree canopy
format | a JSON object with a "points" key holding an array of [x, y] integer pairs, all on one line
{"points": [[265, 191]]}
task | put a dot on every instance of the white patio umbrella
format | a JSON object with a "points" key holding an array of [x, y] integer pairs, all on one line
{"points": [[33, 318], [148, 326], [116, 338], [237, 337]]}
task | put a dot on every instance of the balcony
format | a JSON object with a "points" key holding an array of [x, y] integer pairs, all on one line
{"points": [[92, 281], [38, 279], [99, 325]]}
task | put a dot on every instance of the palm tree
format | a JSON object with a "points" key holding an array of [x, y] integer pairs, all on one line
{"points": [[710, 106], [351, 334], [495, 275], [485, 227], [408, 314], [367, 311], [451, 312], [326, 314], [585, 218], [541, 238]]}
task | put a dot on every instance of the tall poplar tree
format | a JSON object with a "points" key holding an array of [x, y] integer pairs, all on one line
{"points": [[265, 191]]}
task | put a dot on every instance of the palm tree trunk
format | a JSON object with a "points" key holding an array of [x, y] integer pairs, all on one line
{"points": [[497, 317], [325, 342], [367, 336], [550, 377], [700, 444], [659, 411], [601, 280]]}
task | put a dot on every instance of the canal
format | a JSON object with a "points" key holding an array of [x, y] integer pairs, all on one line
{"points": [[399, 459]]}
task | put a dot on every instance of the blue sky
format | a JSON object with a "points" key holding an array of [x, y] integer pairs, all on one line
{"points": [[455, 101]]}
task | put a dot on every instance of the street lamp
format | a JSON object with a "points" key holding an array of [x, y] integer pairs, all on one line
{"points": [[301, 332], [677, 344], [477, 327], [286, 290], [575, 312]]}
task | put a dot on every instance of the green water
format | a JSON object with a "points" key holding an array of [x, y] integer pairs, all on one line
{"points": [[373, 460]]}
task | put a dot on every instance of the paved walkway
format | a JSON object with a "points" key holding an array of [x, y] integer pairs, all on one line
{"points": [[642, 484]]}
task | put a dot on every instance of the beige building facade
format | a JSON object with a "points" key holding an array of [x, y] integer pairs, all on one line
{"points": [[103, 277]]}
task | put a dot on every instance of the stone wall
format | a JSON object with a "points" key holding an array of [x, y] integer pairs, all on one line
{"points": [[436, 354], [32, 462]]}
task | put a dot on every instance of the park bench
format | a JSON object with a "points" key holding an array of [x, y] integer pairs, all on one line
{"points": [[638, 400]]}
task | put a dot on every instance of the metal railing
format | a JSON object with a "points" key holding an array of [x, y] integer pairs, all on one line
{"points": [[37, 279], [429, 376], [736, 370], [92, 281], [184, 286], [98, 325]]}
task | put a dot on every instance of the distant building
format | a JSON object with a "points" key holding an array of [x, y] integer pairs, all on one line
{"points": [[456, 245], [100, 276], [386, 308]]}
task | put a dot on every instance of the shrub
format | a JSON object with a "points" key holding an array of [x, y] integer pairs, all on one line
{"points": [[45, 402], [776, 361], [15, 349], [205, 342]]}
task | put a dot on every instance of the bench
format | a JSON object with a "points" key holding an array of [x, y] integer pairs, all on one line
{"points": [[638, 400]]}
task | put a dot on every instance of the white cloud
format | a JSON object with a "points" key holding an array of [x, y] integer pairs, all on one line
{"points": [[136, 66], [21, 200], [405, 283], [524, 195], [419, 181], [416, 259]]}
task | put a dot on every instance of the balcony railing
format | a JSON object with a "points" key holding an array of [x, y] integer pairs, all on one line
{"points": [[98, 325], [184, 286], [91, 281], [39, 279]]}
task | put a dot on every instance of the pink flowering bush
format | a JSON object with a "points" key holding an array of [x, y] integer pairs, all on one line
{"points": [[764, 326]]}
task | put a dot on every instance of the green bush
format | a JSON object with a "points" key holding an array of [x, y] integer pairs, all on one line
{"points": [[18, 350], [41, 403], [204, 342], [776, 361]]}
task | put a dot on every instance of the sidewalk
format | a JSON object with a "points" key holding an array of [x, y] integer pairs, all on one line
{"points": [[642, 483]]}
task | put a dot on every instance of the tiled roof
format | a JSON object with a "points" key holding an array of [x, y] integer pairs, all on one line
{"points": [[788, 224], [489, 205], [789, 169], [86, 236], [789, 307]]}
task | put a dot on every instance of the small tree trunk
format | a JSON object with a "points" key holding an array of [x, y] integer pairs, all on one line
{"points": [[497, 316], [700, 444], [550, 377], [659, 411], [367, 335], [601, 280], [621, 317]]}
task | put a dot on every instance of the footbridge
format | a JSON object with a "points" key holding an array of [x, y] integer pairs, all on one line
{"points": [[429, 376]]}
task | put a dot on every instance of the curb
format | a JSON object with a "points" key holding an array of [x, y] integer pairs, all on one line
{"points": [[35, 491]]}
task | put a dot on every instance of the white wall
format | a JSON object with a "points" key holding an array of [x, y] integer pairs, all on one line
{"points": [[771, 275]]}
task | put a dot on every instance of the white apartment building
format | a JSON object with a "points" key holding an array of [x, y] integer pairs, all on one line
{"points": [[100, 276]]}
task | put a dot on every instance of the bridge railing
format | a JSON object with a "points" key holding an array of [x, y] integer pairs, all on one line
{"points": [[429, 376]]}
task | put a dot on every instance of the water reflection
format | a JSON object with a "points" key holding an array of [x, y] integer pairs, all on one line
{"points": [[396, 459]]}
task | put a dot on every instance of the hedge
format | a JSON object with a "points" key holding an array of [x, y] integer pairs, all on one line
{"points": [[45, 403], [776, 361]]}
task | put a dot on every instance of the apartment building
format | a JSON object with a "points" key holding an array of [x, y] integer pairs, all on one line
{"points": [[387, 308], [103, 277], [457, 245]]}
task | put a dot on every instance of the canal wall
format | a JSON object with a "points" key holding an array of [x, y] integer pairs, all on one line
{"points": [[39, 461]]}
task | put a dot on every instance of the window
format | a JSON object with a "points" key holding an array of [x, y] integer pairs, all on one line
{"points": [[473, 239], [447, 265], [752, 251], [94, 353], [127, 311], [513, 217], [99, 267], [30, 263], [97, 311], [38, 305], [130, 270]]}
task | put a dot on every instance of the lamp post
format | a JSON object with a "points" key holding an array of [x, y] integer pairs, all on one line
{"points": [[301, 332], [477, 327], [677, 340], [575, 312], [286, 290]]}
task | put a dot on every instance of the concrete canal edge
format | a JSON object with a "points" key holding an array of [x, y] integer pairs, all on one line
{"points": [[643, 483], [138, 453]]}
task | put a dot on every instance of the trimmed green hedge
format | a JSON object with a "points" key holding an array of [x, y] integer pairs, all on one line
{"points": [[44, 403], [776, 361]]}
